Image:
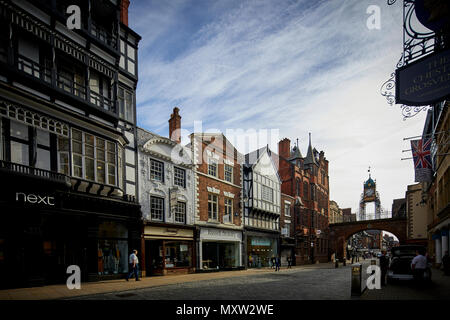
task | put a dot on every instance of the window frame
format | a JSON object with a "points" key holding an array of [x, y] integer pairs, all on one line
{"points": [[178, 213], [183, 185], [213, 215], [152, 170], [162, 209], [229, 172]]}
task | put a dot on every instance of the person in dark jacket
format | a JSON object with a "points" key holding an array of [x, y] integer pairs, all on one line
{"points": [[384, 265], [446, 263]]}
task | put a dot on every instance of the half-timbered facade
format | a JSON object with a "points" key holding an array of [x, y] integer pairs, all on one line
{"points": [[68, 141], [262, 208]]}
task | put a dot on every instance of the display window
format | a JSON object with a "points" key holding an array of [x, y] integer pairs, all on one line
{"points": [[177, 254]]}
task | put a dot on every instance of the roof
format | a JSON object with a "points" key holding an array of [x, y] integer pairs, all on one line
{"points": [[310, 157], [295, 153]]}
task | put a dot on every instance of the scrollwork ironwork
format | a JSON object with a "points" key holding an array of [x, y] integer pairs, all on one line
{"points": [[411, 111], [388, 89]]}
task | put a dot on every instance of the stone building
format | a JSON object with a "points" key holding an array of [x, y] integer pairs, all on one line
{"points": [[336, 215], [167, 197]]}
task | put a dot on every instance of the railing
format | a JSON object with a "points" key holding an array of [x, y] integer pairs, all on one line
{"points": [[102, 101], [63, 82], [73, 87], [27, 170], [34, 68]]}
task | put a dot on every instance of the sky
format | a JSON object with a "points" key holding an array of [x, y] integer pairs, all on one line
{"points": [[291, 67]]}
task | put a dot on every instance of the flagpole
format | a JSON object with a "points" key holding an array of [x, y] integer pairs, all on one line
{"points": [[425, 135]]}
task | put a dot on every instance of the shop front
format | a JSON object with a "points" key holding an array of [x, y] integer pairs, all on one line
{"points": [[169, 250], [261, 248], [46, 229], [220, 249]]}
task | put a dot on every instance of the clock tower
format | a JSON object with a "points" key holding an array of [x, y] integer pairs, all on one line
{"points": [[369, 195]]}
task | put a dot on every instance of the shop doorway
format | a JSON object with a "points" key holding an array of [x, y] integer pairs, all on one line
{"points": [[220, 255]]}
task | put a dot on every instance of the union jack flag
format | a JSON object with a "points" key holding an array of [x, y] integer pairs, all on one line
{"points": [[421, 151]]}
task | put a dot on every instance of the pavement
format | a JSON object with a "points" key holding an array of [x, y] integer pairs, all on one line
{"points": [[54, 292]]}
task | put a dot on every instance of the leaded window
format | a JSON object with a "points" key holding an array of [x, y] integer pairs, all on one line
{"points": [[212, 167]]}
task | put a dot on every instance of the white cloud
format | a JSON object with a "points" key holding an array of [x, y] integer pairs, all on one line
{"points": [[298, 66]]}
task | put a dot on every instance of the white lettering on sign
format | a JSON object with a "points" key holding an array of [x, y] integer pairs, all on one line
{"points": [[35, 199]]}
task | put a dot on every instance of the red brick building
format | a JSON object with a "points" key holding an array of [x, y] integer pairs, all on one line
{"points": [[218, 212], [306, 180]]}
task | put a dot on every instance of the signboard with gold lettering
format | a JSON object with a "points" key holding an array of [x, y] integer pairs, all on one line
{"points": [[425, 81]]}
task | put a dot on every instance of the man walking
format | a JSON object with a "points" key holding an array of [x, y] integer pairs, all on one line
{"points": [[134, 266], [418, 266], [277, 263], [289, 260], [384, 265]]}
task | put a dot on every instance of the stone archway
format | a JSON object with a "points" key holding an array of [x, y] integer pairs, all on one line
{"points": [[340, 232]]}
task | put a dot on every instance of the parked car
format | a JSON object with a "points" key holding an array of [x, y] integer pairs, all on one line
{"points": [[400, 265]]}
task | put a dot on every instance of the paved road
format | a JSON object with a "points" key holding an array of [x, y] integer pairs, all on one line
{"points": [[312, 282]]}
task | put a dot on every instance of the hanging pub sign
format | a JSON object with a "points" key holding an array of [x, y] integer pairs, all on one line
{"points": [[425, 81]]}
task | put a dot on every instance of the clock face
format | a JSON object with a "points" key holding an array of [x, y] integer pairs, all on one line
{"points": [[369, 192]]}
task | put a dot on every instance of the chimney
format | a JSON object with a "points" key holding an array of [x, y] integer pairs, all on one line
{"points": [[175, 126], [284, 148], [124, 4]]}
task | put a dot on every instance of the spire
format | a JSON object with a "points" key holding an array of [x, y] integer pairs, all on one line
{"points": [[310, 155]]}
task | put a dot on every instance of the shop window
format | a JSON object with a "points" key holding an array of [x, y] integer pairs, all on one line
{"points": [[156, 170], [180, 212], [177, 254], [180, 177], [212, 206], [112, 256], [157, 208]]}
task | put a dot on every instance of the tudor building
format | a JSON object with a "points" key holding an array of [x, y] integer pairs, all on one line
{"points": [[166, 184], [262, 208], [68, 141]]}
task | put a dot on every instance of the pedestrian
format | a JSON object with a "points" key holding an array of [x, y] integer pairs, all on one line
{"points": [[384, 265], [353, 256], [273, 262], [277, 263], [446, 263], [418, 266], [250, 261], [289, 260], [134, 266]]}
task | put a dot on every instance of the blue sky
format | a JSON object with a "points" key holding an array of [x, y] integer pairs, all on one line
{"points": [[296, 66]]}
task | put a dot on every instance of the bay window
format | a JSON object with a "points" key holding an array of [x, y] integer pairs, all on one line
{"points": [[93, 158]]}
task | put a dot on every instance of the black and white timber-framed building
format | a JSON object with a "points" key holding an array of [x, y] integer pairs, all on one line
{"points": [[68, 157]]}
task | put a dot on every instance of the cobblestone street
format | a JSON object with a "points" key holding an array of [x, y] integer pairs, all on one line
{"points": [[322, 282]]}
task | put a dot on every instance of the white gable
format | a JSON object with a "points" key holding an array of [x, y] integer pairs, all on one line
{"points": [[266, 168]]}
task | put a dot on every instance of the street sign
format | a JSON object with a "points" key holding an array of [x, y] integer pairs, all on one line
{"points": [[425, 81]]}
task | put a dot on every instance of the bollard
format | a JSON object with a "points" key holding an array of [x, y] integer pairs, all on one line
{"points": [[336, 263], [356, 279]]}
